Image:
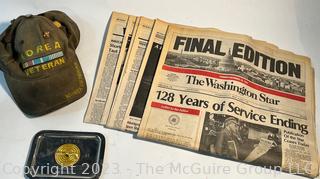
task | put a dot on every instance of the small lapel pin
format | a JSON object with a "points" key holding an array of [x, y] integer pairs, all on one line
{"points": [[46, 34]]}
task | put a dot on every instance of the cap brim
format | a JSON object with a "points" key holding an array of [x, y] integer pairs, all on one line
{"points": [[43, 95]]}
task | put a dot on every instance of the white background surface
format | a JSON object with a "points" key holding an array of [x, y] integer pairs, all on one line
{"points": [[292, 25]]}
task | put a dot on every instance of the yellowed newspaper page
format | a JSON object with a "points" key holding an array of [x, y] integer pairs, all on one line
{"points": [[125, 65], [145, 77], [132, 68], [216, 92], [106, 68], [119, 67]]}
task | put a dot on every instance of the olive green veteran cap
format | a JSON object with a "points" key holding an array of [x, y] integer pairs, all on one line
{"points": [[38, 59]]}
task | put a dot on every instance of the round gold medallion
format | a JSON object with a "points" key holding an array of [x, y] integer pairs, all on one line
{"points": [[67, 155]]}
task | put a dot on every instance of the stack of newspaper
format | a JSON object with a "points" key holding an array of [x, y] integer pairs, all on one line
{"points": [[202, 89]]}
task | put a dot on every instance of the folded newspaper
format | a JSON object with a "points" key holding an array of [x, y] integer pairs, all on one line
{"points": [[202, 89]]}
